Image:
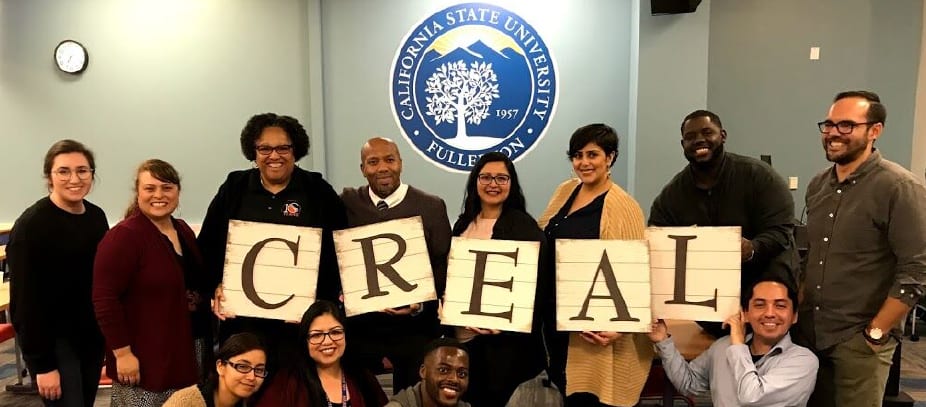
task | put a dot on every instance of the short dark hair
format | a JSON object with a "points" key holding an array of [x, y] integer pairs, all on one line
{"points": [[771, 278], [66, 146], [256, 125], [877, 113], [471, 203], [601, 134], [701, 113], [438, 343]]}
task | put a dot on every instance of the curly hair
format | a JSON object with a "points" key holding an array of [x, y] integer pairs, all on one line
{"points": [[256, 125]]}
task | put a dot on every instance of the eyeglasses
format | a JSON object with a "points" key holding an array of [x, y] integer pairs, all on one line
{"points": [[245, 368], [284, 149], [844, 127], [501, 179], [64, 174], [317, 337]]}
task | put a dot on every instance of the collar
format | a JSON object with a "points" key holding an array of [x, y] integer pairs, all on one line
{"points": [[256, 185], [872, 162], [723, 169], [782, 346], [393, 199]]}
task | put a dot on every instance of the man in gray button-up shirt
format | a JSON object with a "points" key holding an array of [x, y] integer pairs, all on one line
{"points": [[866, 225], [761, 369]]}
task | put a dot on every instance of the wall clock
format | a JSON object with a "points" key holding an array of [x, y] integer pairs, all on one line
{"points": [[71, 57]]}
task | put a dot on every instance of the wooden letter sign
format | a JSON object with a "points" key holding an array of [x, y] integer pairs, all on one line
{"points": [[602, 285], [491, 284], [271, 271], [384, 265], [696, 272]]}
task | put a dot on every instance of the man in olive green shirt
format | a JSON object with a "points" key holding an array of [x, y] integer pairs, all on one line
{"points": [[866, 224]]}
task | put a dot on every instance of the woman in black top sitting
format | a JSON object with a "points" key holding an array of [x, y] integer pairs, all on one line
{"points": [[240, 369], [321, 375]]}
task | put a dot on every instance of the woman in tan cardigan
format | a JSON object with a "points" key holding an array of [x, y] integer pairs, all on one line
{"points": [[609, 368]]}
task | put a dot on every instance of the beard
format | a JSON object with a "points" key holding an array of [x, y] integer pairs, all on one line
{"points": [[853, 149], [715, 158]]}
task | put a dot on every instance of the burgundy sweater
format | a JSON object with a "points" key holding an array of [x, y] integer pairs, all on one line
{"points": [[141, 301], [285, 384]]}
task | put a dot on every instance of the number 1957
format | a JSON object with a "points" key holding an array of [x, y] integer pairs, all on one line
{"points": [[506, 113]]}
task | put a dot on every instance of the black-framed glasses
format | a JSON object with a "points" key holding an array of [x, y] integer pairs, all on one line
{"points": [[245, 368], [284, 149], [317, 337], [844, 127], [501, 179], [83, 173]]}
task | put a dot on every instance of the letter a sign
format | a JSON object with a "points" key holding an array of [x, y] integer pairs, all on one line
{"points": [[602, 285], [271, 271], [384, 265]]}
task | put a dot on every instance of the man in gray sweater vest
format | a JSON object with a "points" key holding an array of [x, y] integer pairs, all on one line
{"points": [[398, 334]]}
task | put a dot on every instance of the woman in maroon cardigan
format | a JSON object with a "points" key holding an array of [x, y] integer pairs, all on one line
{"points": [[322, 376], [144, 283]]}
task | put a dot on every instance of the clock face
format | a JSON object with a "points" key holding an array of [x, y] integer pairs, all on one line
{"points": [[71, 57]]}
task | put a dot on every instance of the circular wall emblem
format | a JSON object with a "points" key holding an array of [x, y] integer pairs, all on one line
{"points": [[470, 79]]}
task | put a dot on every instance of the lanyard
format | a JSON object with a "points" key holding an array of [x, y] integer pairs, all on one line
{"points": [[343, 392]]}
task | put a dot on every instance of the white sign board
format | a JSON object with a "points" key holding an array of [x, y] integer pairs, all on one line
{"points": [[491, 284], [271, 270], [696, 272], [602, 285], [384, 265]]}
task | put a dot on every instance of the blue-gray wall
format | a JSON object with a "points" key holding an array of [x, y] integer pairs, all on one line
{"points": [[770, 95], [177, 79], [593, 67], [672, 83], [172, 79]]}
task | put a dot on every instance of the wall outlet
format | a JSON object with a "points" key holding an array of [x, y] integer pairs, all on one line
{"points": [[792, 183], [814, 53]]}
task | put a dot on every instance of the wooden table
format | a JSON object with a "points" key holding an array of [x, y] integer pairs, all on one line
{"points": [[689, 338]]}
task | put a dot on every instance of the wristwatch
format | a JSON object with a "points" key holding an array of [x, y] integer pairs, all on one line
{"points": [[875, 336]]}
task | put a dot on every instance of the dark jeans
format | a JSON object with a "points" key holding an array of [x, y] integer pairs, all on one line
{"points": [[79, 370]]}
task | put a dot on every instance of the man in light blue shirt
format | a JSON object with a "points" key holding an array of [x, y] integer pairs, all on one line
{"points": [[760, 369]]}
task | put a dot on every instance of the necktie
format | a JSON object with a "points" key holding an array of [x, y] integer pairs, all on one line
{"points": [[382, 205]]}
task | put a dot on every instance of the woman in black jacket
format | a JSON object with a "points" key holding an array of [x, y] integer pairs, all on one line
{"points": [[494, 208]]}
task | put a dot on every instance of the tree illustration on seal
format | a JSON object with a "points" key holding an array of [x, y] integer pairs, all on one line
{"points": [[461, 94]]}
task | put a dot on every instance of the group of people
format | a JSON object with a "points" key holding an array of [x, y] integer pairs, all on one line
{"points": [[145, 295]]}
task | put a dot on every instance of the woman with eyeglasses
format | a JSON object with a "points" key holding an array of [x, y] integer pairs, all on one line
{"points": [[240, 369], [50, 254], [147, 282], [276, 191], [602, 368], [494, 208], [322, 376]]}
